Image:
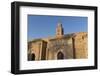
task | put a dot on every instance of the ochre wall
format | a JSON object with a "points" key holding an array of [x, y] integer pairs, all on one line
{"points": [[72, 47], [81, 50]]}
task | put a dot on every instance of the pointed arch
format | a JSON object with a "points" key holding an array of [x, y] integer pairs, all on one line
{"points": [[60, 55], [32, 56]]}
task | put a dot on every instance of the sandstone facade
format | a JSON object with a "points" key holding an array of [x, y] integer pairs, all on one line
{"points": [[61, 46]]}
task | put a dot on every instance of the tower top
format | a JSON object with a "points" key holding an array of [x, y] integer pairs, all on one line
{"points": [[59, 24], [59, 30]]}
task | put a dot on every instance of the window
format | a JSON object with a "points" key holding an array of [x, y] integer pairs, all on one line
{"points": [[83, 37]]}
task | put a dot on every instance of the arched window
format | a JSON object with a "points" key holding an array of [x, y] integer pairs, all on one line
{"points": [[83, 37], [32, 56], [60, 55]]}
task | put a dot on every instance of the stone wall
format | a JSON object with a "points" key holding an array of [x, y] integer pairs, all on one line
{"points": [[63, 45], [71, 46], [38, 48], [80, 44]]}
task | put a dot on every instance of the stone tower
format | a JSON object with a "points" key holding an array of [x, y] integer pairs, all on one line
{"points": [[59, 30]]}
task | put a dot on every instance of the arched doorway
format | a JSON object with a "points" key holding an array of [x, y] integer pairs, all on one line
{"points": [[60, 55], [33, 56]]}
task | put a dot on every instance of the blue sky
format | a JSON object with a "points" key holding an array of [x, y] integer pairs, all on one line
{"points": [[40, 26]]}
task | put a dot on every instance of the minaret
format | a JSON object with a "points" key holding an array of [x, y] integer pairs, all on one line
{"points": [[59, 30]]}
